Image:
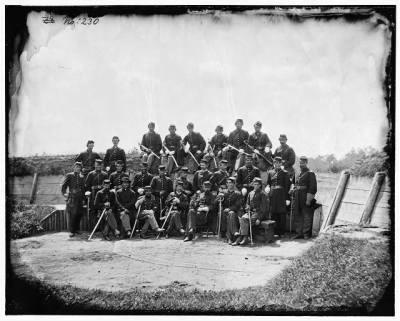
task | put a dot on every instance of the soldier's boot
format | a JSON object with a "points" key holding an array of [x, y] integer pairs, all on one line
{"points": [[245, 240], [238, 240]]}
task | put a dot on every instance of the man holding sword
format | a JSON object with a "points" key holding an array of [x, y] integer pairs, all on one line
{"points": [[196, 147], [151, 146], [172, 147]]}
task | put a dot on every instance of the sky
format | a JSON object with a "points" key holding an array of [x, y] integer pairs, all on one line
{"points": [[318, 82]]}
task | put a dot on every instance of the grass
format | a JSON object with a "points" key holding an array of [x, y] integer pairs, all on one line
{"points": [[336, 275]]}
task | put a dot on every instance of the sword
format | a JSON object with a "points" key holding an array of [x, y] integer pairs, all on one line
{"points": [[212, 151], [98, 222], [136, 220], [148, 150], [257, 152], [169, 152], [162, 227], [190, 153]]}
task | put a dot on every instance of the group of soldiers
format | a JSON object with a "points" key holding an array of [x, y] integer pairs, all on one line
{"points": [[237, 182]]}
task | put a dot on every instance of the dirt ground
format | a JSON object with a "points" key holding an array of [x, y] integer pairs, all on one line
{"points": [[207, 264]]}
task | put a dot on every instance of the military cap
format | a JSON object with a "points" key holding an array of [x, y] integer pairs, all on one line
{"points": [[283, 136], [179, 182], [115, 137], [119, 162], [106, 181], [231, 179], [277, 159], [304, 158], [190, 125], [207, 183], [99, 161], [151, 124], [172, 126], [239, 120], [219, 127], [125, 179], [257, 180], [223, 186], [78, 164], [161, 167], [258, 124], [203, 160], [90, 142], [224, 161], [185, 169], [147, 188]]}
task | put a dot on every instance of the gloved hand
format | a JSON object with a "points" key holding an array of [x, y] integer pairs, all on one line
{"points": [[241, 150], [225, 148], [198, 152], [244, 191], [140, 191], [108, 168], [258, 222], [267, 149], [171, 152], [287, 202], [211, 154], [107, 204], [267, 189], [87, 194]]}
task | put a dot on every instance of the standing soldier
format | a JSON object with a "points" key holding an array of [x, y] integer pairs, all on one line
{"points": [[161, 186], [179, 202], [147, 209], [187, 185], [93, 184], [172, 147], [87, 158], [287, 154], [151, 146], [304, 193], [105, 200], [116, 177], [257, 205], [231, 211], [126, 205], [237, 139], [246, 175], [114, 154], [260, 144], [201, 209], [142, 179], [216, 146], [218, 179], [202, 175], [196, 147], [278, 185], [75, 183]]}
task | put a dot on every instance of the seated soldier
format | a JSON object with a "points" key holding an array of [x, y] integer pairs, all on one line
{"points": [[245, 176], [147, 208], [257, 206], [179, 203], [126, 205], [219, 178], [105, 201], [202, 175], [187, 185], [231, 203], [116, 177], [201, 207]]}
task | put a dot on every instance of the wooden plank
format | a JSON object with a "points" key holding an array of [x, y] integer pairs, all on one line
{"points": [[368, 211], [350, 212]]}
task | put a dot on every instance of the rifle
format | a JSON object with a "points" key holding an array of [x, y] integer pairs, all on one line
{"points": [[136, 220], [169, 152], [148, 150], [190, 153], [236, 149], [98, 222], [165, 222], [258, 153]]}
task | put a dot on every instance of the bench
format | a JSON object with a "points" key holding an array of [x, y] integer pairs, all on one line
{"points": [[264, 232]]}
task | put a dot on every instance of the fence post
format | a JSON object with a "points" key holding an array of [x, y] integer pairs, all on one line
{"points": [[337, 200], [369, 207], [34, 186]]}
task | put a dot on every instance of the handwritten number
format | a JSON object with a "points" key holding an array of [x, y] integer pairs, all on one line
{"points": [[96, 21], [90, 21]]}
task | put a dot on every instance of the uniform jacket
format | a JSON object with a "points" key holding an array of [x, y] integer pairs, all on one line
{"points": [[75, 183], [88, 159], [173, 142], [141, 180], [116, 177], [94, 180], [104, 196], [112, 155], [196, 142], [183, 204], [126, 198], [202, 199], [288, 155], [217, 142], [232, 201], [246, 175], [237, 138], [152, 141], [149, 203], [159, 184], [218, 178], [199, 178], [259, 141], [257, 202], [187, 187], [280, 184], [306, 183]]}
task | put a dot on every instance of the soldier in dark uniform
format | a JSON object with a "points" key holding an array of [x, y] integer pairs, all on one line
{"points": [[260, 144], [105, 200], [173, 142], [231, 210], [141, 179], [304, 199], [201, 210], [161, 187], [179, 202], [197, 144], [126, 199], [147, 207], [237, 139], [75, 183], [116, 177], [245, 176], [202, 175], [257, 205], [187, 185], [278, 184], [288, 156], [216, 146], [87, 158], [218, 179], [114, 154], [93, 184], [152, 141]]}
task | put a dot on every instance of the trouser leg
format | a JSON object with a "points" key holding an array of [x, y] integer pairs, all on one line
{"points": [[244, 225], [125, 221], [152, 221], [75, 214], [176, 219], [307, 220], [191, 225], [282, 226], [277, 218], [299, 221]]}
